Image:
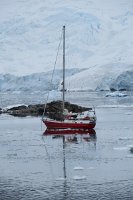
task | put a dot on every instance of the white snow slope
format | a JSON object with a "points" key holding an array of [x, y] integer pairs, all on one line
{"points": [[98, 37]]}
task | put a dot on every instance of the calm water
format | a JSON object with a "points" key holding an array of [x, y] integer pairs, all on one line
{"points": [[32, 165], [81, 98]]}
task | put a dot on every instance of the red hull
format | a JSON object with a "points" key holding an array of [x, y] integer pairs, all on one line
{"points": [[65, 125]]}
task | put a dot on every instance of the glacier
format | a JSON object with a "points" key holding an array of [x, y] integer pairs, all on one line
{"points": [[35, 82], [76, 80], [98, 38]]}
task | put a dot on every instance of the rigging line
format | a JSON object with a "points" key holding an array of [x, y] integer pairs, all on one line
{"points": [[49, 158], [52, 74]]}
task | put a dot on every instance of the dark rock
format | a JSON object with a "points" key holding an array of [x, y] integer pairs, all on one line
{"points": [[18, 107], [131, 149], [53, 110], [112, 89]]}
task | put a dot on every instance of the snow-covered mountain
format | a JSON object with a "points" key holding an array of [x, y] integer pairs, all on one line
{"points": [[108, 77], [35, 82], [98, 37], [76, 80]]}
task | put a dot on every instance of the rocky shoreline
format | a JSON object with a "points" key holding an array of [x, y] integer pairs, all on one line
{"points": [[53, 110]]}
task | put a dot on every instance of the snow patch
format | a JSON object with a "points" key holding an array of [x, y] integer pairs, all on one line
{"points": [[13, 106]]}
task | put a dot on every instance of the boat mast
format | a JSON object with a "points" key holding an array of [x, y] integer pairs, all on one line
{"points": [[63, 84]]}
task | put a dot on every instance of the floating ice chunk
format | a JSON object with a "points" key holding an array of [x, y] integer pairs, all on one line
{"points": [[60, 179], [128, 113], [121, 148], [116, 94], [130, 146], [79, 177], [16, 92], [126, 138], [78, 168], [129, 156]]}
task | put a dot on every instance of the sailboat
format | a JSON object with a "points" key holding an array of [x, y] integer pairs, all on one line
{"points": [[66, 123]]}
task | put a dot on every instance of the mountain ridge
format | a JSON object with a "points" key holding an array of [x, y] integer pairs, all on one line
{"points": [[98, 36]]}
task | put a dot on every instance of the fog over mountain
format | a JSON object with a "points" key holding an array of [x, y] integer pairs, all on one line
{"points": [[98, 37]]}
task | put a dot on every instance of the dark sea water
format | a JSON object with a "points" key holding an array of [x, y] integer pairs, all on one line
{"points": [[33, 166]]}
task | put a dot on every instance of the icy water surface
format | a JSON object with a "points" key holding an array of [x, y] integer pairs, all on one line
{"points": [[32, 165], [82, 98]]}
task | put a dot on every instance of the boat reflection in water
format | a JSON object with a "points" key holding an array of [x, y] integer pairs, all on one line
{"points": [[72, 135]]}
